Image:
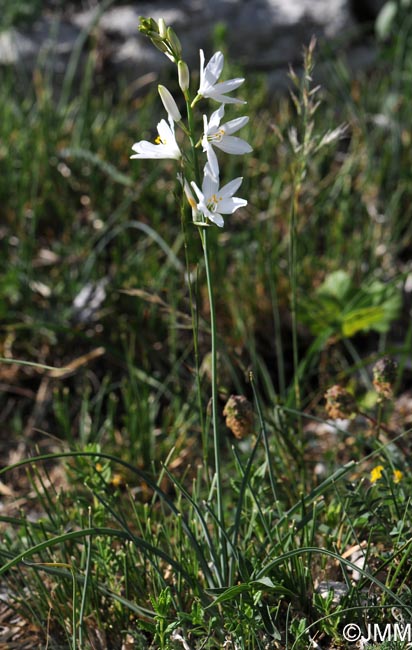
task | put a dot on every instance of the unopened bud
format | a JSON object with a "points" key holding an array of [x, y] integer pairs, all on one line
{"points": [[238, 412], [184, 75], [159, 43], [175, 43], [169, 103], [148, 26], [162, 28], [384, 376], [340, 403]]}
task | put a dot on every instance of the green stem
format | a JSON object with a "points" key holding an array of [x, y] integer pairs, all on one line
{"points": [[195, 330], [215, 423], [190, 122], [203, 232], [293, 286]]}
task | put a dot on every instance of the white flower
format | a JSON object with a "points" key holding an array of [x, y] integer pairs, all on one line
{"points": [[221, 137], [169, 103], [213, 202], [165, 147], [209, 75]]}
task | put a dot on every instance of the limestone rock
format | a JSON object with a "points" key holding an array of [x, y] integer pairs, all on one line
{"points": [[264, 35]]}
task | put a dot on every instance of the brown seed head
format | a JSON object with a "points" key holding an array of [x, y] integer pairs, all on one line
{"points": [[384, 376], [340, 403], [238, 412]]}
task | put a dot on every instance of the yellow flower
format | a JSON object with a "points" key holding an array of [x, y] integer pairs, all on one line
{"points": [[397, 476], [376, 473]]}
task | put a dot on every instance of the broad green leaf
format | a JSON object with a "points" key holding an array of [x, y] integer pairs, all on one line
{"points": [[362, 319], [337, 285]]}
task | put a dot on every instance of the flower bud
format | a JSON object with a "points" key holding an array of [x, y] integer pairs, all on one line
{"points": [[384, 376], [159, 43], [169, 103], [162, 28], [340, 404], [238, 412], [184, 75], [148, 26], [175, 43]]}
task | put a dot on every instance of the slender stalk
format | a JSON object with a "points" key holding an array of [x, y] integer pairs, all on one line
{"points": [[215, 422], [293, 287], [306, 107], [203, 232], [278, 334], [86, 584], [195, 330]]}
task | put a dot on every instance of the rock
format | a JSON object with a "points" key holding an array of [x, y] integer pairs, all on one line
{"points": [[46, 36], [263, 35], [16, 48]]}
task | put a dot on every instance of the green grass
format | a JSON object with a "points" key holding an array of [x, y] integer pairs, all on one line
{"points": [[109, 533]]}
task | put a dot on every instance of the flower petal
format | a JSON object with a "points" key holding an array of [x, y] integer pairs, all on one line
{"points": [[229, 189], [224, 99], [210, 185], [202, 68], [215, 119], [165, 132], [229, 85], [146, 149], [234, 125], [211, 158], [228, 206], [199, 194], [216, 218], [214, 68], [234, 145]]}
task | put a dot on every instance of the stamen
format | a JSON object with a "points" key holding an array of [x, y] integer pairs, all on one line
{"points": [[218, 136], [213, 202]]}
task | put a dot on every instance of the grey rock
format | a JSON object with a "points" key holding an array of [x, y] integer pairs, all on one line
{"points": [[265, 35], [15, 47]]}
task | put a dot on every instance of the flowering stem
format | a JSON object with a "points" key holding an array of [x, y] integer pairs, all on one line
{"points": [[195, 330], [293, 283], [216, 433], [215, 424], [192, 139]]}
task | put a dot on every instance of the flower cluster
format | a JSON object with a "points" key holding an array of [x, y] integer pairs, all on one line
{"points": [[384, 376], [206, 197], [340, 403], [377, 474]]}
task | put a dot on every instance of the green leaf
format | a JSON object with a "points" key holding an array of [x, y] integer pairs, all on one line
{"points": [[337, 285], [362, 320], [228, 594], [264, 582]]}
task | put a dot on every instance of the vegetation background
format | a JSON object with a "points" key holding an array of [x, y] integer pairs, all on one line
{"points": [[109, 539]]}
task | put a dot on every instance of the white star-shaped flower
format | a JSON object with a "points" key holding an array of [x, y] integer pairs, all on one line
{"points": [[209, 84], [165, 147], [216, 135], [214, 201]]}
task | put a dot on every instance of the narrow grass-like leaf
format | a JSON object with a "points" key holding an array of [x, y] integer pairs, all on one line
{"points": [[204, 527], [342, 561], [107, 168]]}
